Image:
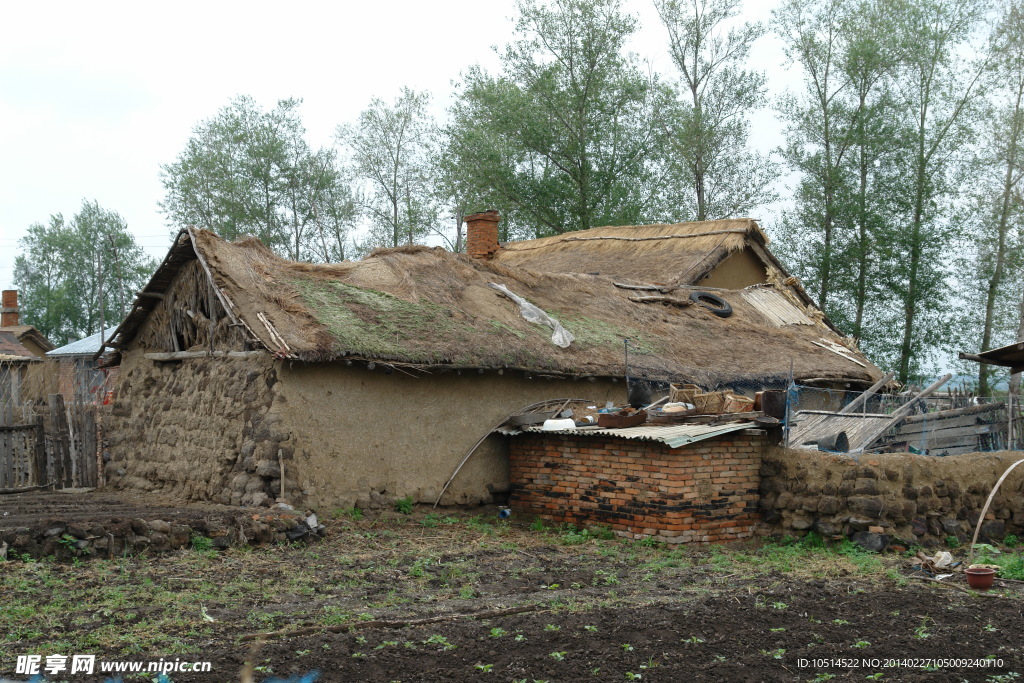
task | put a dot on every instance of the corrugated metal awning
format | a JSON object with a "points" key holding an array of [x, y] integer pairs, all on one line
{"points": [[674, 436]]}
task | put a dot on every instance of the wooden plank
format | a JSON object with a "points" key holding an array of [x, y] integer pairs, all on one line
{"points": [[936, 425], [839, 353], [59, 437], [88, 446], [955, 412], [6, 456], [40, 470], [74, 447]]}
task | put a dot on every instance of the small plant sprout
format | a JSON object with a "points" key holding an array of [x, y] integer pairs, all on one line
{"points": [[498, 632], [779, 605], [630, 676], [921, 632], [719, 658], [649, 664], [552, 627], [693, 640], [778, 630], [520, 638], [840, 622], [988, 628], [877, 676], [590, 628], [861, 644], [822, 677], [483, 668], [626, 647], [558, 656], [774, 654], [404, 505]]}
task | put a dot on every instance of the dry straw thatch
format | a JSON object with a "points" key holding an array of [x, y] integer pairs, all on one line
{"points": [[681, 253], [426, 307]]}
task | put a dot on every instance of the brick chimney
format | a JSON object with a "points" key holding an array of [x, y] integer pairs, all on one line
{"points": [[482, 234], [9, 308]]}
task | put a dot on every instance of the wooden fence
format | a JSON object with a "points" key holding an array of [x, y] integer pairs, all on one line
{"points": [[59, 450]]}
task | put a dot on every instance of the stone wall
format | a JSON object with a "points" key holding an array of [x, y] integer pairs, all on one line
{"points": [[895, 497], [704, 492], [198, 429]]}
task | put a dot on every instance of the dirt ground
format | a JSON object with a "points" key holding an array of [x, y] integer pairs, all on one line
{"points": [[456, 597]]}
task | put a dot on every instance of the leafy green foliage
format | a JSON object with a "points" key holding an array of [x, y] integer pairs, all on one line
{"points": [[247, 171], [63, 265], [567, 136], [404, 505]]}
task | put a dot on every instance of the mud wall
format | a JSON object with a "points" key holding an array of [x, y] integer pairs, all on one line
{"points": [[704, 492], [898, 497], [197, 429], [362, 437]]}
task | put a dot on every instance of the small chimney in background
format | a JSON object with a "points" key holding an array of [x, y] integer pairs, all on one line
{"points": [[482, 234], [9, 308]]}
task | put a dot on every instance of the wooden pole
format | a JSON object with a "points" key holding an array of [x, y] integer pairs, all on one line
{"points": [[39, 470], [901, 413]]}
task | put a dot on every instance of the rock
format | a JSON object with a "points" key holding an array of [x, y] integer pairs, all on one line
{"points": [[870, 541], [866, 487], [869, 506], [160, 526], [311, 521], [829, 505], [993, 531], [919, 526], [876, 529], [826, 529], [801, 523], [951, 526], [859, 524], [783, 501], [139, 527]]}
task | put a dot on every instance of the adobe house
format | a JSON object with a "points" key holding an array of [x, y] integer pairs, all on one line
{"points": [[27, 335], [244, 376], [79, 379]]}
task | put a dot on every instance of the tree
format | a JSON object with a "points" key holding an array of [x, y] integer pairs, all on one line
{"points": [[80, 276], [249, 171], [938, 90], [565, 138], [998, 248], [391, 147], [817, 137], [709, 130]]}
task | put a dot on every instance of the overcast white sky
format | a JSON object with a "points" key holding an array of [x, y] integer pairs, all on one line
{"points": [[94, 97]]}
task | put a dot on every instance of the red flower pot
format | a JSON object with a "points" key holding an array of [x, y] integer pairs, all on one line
{"points": [[980, 578]]}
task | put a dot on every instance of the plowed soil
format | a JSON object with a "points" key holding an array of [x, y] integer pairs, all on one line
{"points": [[449, 597]]}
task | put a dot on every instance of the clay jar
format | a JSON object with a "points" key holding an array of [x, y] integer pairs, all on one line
{"points": [[980, 578]]}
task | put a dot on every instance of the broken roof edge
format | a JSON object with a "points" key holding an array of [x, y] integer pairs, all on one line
{"points": [[184, 248], [674, 436]]}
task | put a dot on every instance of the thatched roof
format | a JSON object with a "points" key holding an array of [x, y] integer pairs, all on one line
{"points": [[680, 253], [429, 308]]}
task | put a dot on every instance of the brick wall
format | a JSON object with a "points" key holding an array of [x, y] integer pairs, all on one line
{"points": [[704, 492]]}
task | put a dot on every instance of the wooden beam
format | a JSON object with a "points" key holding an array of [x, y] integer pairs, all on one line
{"points": [[900, 414], [185, 355], [149, 295], [860, 400]]}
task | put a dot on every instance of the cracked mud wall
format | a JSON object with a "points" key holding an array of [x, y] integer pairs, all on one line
{"points": [[365, 438]]}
